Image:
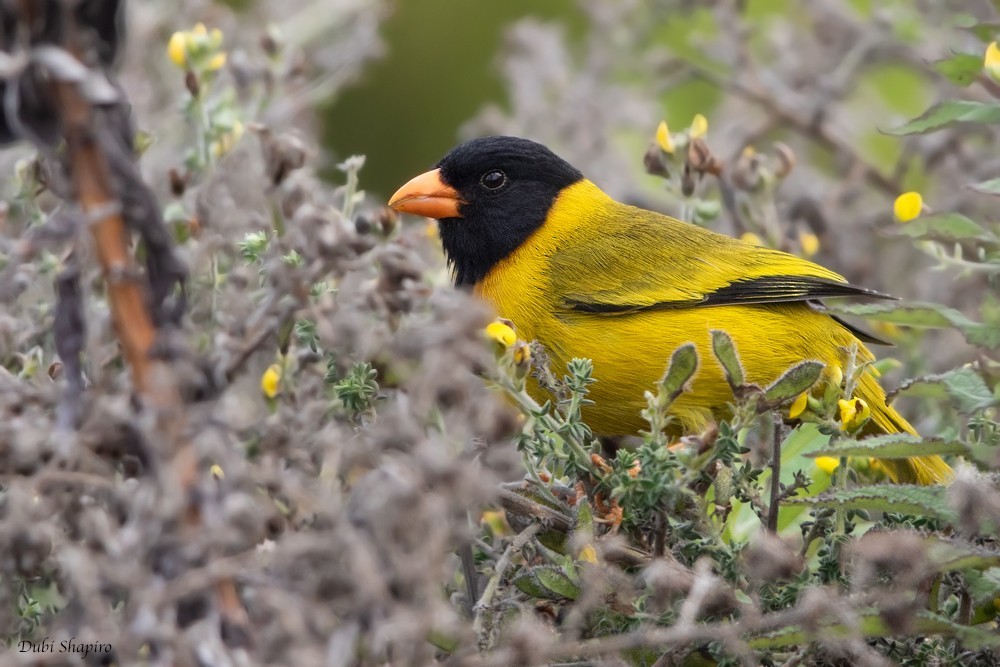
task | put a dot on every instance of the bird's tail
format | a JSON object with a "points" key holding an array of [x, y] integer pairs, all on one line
{"points": [[924, 470]]}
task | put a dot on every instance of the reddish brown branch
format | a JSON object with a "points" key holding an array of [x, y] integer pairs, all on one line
{"points": [[91, 183], [128, 298]]}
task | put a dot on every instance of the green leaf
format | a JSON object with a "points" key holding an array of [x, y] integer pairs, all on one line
{"points": [[946, 227], [947, 114], [871, 624], [947, 555], [984, 586], [905, 498], [986, 456], [793, 382], [547, 582], [964, 386], [970, 637], [986, 31], [725, 352], [584, 519], [683, 364], [990, 187], [962, 68], [892, 446], [929, 315]]}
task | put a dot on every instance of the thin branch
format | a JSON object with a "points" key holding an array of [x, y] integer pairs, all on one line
{"points": [[485, 603], [773, 506]]}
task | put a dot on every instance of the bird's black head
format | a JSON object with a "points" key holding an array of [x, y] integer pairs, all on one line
{"points": [[489, 195]]}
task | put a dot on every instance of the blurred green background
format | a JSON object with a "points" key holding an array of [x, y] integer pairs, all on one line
{"points": [[438, 71], [441, 66]]}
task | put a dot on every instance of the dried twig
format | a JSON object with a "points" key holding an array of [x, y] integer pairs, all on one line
{"points": [[484, 607]]}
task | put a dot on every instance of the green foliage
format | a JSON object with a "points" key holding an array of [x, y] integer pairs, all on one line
{"points": [[927, 315], [892, 446], [947, 114], [908, 499], [358, 389], [947, 227], [962, 69], [966, 389]]}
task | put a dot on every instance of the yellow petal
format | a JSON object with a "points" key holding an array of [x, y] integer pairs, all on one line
{"points": [[699, 126], [908, 206], [588, 555], [809, 243], [270, 381], [798, 406], [177, 49], [827, 464], [217, 471], [496, 521], [853, 414], [847, 410], [199, 29], [663, 138], [750, 237], [501, 333], [217, 62], [991, 61], [522, 354], [836, 374]]}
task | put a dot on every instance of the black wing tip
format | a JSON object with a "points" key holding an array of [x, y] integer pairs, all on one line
{"points": [[777, 289], [867, 291], [749, 291]]}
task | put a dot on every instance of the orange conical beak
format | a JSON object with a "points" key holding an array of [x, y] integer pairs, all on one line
{"points": [[427, 195]]}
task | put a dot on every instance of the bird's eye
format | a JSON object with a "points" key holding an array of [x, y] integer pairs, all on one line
{"points": [[493, 179]]}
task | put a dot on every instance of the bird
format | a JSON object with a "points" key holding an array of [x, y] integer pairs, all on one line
{"points": [[590, 277]]}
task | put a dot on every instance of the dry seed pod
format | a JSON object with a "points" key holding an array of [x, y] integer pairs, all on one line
{"points": [[701, 159], [784, 159], [655, 162]]}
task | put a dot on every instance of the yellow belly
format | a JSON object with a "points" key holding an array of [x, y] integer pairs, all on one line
{"points": [[631, 352]]}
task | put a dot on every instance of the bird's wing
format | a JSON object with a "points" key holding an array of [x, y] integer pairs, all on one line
{"points": [[632, 260]]}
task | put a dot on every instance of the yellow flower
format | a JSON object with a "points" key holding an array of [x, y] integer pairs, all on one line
{"points": [[215, 37], [750, 237], [827, 464], [227, 141], [798, 405], [216, 62], [522, 354], [809, 243], [588, 554], [836, 374], [501, 333], [199, 29], [991, 62], [699, 126], [853, 414], [496, 521], [663, 138], [270, 381], [217, 471], [908, 206], [177, 49]]}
